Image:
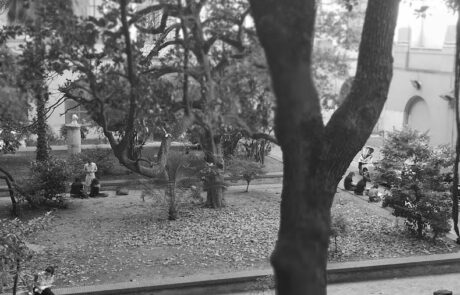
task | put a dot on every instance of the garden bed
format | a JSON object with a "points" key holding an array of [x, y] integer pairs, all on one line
{"points": [[123, 238]]}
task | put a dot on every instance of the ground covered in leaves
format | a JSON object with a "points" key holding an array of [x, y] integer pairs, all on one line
{"points": [[125, 238]]}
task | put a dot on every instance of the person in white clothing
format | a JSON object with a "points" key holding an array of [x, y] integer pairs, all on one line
{"points": [[90, 169]]}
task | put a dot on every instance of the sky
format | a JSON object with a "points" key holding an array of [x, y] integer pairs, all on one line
{"points": [[439, 17]]}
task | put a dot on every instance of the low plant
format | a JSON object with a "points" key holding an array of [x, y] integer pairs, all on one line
{"points": [[182, 180], [339, 227]]}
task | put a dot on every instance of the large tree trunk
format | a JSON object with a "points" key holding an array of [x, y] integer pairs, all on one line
{"points": [[316, 156], [42, 140], [214, 181]]}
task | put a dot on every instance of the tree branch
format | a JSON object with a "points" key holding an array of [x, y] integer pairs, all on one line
{"points": [[352, 123]]}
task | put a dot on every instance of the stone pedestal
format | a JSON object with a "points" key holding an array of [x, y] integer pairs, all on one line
{"points": [[73, 137]]}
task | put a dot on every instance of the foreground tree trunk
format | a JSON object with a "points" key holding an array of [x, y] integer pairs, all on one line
{"points": [[316, 156]]}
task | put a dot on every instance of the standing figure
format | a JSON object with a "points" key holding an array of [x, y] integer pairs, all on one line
{"points": [[90, 169], [365, 158]]}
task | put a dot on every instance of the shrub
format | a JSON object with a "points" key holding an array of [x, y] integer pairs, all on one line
{"points": [[339, 226], [244, 168], [49, 178], [419, 177], [102, 158]]}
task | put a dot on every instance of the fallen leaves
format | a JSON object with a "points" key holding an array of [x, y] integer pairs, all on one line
{"points": [[125, 240]]}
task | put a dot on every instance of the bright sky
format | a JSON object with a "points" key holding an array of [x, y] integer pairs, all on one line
{"points": [[439, 17]]}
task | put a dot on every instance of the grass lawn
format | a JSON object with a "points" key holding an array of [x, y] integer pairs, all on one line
{"points": [[123, 238]]}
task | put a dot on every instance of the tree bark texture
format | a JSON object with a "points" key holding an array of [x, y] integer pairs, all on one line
{"points": [[316, 156], [42, 140]]}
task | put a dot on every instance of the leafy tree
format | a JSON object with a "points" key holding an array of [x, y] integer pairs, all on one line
{"points": [[244, 168], [38, 23], [316, 156], [196, 48], [338, 35], [13, 118], [418, 175]]}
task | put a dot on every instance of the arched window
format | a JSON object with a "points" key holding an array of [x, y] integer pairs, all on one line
{"points": [[417, 114]]}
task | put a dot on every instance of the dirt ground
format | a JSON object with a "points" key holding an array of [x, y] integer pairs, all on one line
{"points": [[126, 238]]}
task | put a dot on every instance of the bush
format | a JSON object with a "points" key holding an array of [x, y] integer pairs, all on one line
{"points": [[49, 178], [419, 177], [102, 158]]}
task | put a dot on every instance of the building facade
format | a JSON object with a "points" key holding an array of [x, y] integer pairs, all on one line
{"points": [[420, 94]]}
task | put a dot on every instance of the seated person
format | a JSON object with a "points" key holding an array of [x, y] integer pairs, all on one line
{"points": [[366, 174], [374, 194], [95, 188], [43, 281], [348, 182], [76, 189], [360, 186]]}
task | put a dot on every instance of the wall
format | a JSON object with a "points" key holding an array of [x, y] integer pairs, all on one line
{"points": [[433, 69]]}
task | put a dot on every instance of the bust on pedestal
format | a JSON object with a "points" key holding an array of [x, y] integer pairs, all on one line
{"points": [[73, 136]]}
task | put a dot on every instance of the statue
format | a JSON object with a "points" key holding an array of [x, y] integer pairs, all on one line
{"points": [[74, 120]]}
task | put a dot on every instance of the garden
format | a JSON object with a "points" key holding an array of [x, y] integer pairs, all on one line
{"points": [[228, 80]]}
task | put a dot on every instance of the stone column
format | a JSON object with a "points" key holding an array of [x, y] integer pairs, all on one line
{"points": [[73, 136]]}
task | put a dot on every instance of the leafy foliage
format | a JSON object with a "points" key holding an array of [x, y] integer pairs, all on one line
{"points": [[419, 177], [14, 250], [49, 178], [338, 33]]}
